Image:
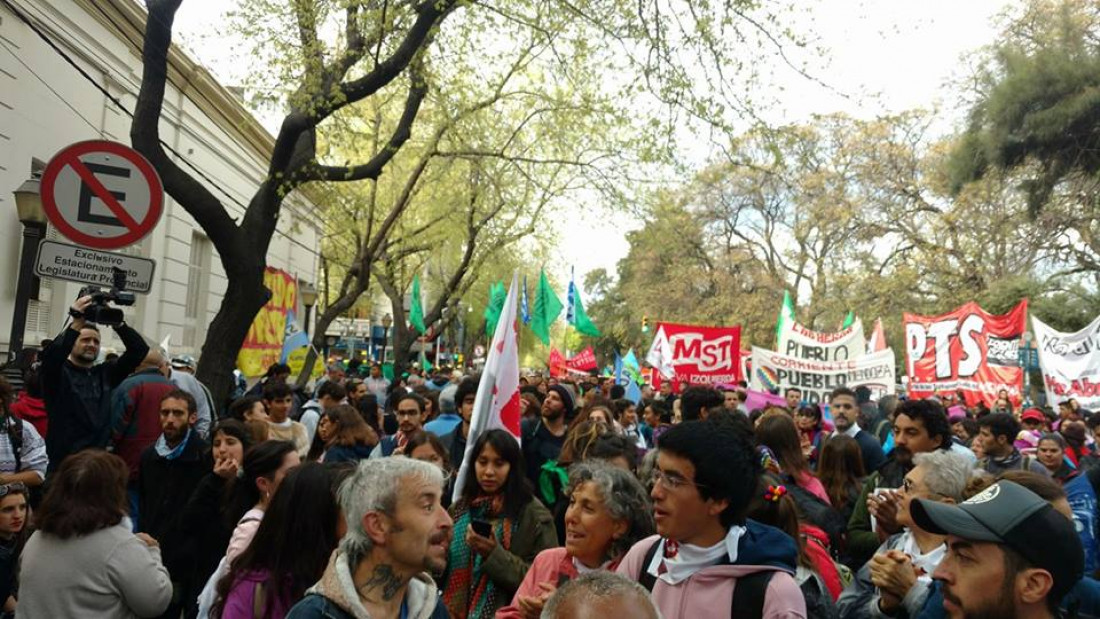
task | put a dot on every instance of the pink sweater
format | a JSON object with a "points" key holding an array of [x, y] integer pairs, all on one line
{"points": [[549, 566], [712, 588]]}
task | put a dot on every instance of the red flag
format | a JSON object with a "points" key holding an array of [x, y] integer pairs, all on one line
{"points": [[878, 338]]}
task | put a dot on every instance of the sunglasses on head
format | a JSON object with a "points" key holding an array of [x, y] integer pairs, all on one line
{"points": [[16, 488]]}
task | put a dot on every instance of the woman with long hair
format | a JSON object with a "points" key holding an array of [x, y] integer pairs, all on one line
{"points": [[289, 552], [246, 500], [343, 436], [811, 431], [609, 511], [85, 560], [840, 470], [778, 433], [208, 531], [816, 573], [13, 536], [499, 529]]}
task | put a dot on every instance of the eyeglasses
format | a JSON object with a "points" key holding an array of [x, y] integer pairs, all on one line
{"points": [[673, 482], [16, 488]]}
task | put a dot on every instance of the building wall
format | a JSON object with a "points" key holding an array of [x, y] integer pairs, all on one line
{"points": [[45, 105]]}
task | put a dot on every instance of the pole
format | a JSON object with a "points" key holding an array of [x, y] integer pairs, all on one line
{"points": [[32, 234]]}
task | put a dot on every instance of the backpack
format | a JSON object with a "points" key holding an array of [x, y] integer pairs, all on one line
{"points": [[748, 594], [819, 603], [818, 513]]}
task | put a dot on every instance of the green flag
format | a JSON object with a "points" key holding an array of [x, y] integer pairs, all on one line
{"points": [[786, 316], [577, 317], [416, 314], [848, 320], [546, 310], [497, 296]]}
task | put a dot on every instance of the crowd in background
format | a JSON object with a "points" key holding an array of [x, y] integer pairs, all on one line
{"points": [[126, 491]]}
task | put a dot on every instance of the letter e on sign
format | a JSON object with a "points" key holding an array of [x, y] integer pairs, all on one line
{"points": [[102, 194]]}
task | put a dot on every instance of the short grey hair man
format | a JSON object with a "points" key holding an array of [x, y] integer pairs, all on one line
{"points": [[398, 534], [945, 473], [599, 595], [374, 489]]}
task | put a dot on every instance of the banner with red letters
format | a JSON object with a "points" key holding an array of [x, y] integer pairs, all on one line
{"points": [[697, 355], [968, 350], [1070, 363]]}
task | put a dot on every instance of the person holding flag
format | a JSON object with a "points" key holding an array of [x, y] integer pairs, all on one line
{"points": [[499, 525]]}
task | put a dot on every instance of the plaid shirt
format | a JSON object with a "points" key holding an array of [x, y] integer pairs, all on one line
{"points": [[33, 454]]}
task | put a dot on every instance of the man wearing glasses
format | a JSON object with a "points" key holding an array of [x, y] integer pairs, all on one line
{"points": [[410, 418], [707, 556]]}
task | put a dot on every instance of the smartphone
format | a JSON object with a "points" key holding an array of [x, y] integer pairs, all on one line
{"points": [[482, 527]]}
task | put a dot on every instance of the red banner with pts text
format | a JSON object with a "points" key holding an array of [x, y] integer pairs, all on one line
{"points": [[968, 350]]}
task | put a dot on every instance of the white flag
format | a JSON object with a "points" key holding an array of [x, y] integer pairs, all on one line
{"points": [[497, 401]]}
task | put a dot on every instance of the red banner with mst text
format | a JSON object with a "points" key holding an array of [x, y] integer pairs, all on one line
{"points": [[703, 355], [967, 350]]}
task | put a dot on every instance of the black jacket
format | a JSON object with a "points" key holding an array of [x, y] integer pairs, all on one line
{"points": [[164, 488], [78, 400]]}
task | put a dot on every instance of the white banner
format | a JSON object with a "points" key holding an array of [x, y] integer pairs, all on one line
{"points": [[796, 340], [1070, 363], [817, 379]]}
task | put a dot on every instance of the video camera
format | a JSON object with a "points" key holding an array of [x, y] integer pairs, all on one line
{"points": [[99, 312]]}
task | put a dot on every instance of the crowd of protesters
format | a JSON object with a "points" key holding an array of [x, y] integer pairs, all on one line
{"points": [[127, 491]]}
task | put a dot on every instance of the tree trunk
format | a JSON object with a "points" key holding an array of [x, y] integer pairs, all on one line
{"points": [[245, 295]]}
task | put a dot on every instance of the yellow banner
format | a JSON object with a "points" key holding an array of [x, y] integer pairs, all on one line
{"points": [[264, 344]]}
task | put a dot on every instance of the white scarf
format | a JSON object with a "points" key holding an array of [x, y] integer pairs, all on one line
{"points": [[926, 563], [690, 559]]}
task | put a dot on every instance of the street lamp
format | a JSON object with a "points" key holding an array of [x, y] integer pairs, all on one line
{"points": [[387, 322], [309, 299], [28, 204]]}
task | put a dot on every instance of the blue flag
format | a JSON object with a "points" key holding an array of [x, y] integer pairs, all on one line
{"points": [[633, 392], [618, 369], [524, 308], [570, 312]]}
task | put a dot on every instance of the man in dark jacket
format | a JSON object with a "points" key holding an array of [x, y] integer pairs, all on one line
{"points": [[169, 472], [76, 390], [135, 416]]}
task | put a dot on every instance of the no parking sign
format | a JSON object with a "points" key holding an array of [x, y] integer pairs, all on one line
{"points": [[102, 194]]}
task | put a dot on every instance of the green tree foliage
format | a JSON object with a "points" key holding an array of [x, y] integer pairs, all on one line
{"points": [[1037, 111]]}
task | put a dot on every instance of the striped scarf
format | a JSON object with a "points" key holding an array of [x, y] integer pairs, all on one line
{"points": [[470, 592]]}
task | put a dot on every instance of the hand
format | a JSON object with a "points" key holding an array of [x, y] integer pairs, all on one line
{"points": [[884, 507], [893, 572], [80, 305], [149, 541], [531, 606], [481, 545], [226, 468]]}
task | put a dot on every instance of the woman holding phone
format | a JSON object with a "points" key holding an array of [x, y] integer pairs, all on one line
{"points": [[499, 529]]}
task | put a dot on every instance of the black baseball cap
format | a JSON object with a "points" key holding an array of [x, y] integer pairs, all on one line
{"points": [[1009, 514]]}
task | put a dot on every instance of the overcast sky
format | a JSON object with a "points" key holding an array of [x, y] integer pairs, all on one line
{"points": [[884, 56]]}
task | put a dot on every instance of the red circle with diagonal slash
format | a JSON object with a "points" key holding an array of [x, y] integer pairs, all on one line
{"points": [[70, 157]]}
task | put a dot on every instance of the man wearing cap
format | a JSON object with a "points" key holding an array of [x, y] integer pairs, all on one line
{"points": [[1009, 553], [997, 434], [543, 437], [1034, 420]]}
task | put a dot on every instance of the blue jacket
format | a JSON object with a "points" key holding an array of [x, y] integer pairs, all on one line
{"points": [[347, 453], [315, 606]]}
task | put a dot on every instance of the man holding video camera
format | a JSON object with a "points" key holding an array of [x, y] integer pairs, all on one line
{"points": [[76, 390]]}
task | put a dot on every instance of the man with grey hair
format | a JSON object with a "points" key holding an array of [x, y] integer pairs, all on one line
{"points": [[898, 577], [598, 595], [398, 534]]}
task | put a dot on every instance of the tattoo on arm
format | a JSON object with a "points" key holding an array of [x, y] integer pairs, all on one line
{"points": [[385, 579]]}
